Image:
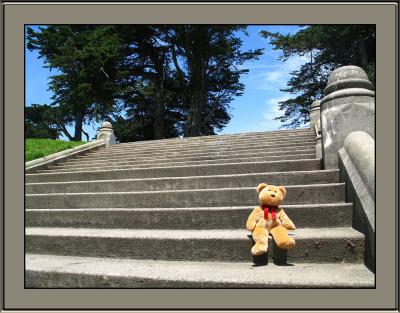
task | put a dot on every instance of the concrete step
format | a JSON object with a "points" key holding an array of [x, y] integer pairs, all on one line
{"points": [[201, 148], [184, 183], [307, 215], [52, 271], [217, 143], [200, 155], [314, 245], [178, 158], [299, 194], [282, 134], [125, 165], [179, 171]]}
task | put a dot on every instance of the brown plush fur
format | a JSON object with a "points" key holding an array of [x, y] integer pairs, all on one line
{"points": [[260, 228]]}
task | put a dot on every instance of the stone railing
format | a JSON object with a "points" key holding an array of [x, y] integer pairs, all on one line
{"points": [[344, 121], [55, 158], [105, 138], [357, 170]]}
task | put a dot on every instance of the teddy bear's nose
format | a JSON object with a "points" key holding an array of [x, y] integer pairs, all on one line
{"points": [[272, 195]]}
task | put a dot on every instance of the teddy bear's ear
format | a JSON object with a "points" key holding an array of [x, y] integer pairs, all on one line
{"points": [[261, 186], [282, 190]]}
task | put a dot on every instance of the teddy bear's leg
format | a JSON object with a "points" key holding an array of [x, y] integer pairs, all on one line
{"points": [[282, 238], [260, 236]]}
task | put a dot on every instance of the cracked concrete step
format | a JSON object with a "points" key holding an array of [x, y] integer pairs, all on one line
{"points": [[317, 193], [191, 170], [190, 182], [197, 155], [52, 271], [314, 245], [67, 168], [237, 136], [307, 215], [201, 148], [211, 144], [162, 158]]}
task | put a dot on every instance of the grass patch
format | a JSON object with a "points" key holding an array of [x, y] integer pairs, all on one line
{"points": [[38, 148]]}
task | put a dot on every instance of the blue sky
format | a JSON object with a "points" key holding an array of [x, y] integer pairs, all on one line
{"points": [[255, 110]]}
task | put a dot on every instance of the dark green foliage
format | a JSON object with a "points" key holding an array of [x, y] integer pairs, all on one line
{"points": [[86, 57], [150, 81], [185, 76], [211, 76], [39, 122], [329, 47]]}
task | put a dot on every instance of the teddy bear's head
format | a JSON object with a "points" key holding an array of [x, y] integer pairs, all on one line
{"points": [[270, 195]]}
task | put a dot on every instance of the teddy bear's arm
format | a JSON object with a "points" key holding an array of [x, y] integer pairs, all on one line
{"points": [[286, 221], [253, 219]]}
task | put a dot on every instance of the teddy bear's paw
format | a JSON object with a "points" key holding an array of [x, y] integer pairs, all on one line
{"points": [[289, 226], [250, 226], [259, 248], [288, 244]]}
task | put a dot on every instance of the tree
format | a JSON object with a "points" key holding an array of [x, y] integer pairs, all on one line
{"points": [[150, 81], [212, 56], [329, 47], [86, 57], [39, 122], [184, 78], [146, 62]]}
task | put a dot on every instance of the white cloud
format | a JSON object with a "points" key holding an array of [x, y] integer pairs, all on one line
{"points": [[269, 79], [273, 103], [270, 112], [276, 78], [263, 83], [257, 65]]}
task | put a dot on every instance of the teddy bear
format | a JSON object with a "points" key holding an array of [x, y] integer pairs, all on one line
{"points": [[268, 218]]}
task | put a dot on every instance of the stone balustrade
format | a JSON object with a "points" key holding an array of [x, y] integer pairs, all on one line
{"points": [[344, 121], [348, 105], [357, 170]]}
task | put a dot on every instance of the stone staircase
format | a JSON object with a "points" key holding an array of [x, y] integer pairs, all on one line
{"points": [[172, 213]]}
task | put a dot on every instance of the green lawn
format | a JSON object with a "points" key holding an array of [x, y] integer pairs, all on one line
{"points": [[38, 148]]}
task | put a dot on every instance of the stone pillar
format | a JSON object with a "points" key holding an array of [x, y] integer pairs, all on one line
{"points": [[315, 115], [106, 133], [315, 124], [348, 106]]}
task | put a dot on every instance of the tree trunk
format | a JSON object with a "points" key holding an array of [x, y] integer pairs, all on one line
{"points": [[86, 135], [196, 110], [179, 73], [65, 131], [159, 113], [78, 127]]}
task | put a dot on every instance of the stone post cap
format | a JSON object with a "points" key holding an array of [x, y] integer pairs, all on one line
{"points": [[315, 105], [106, 125], [106, 133], [346, 77]]}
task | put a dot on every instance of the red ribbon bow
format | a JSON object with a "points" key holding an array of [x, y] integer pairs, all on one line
{"points": [[273, 212]]}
